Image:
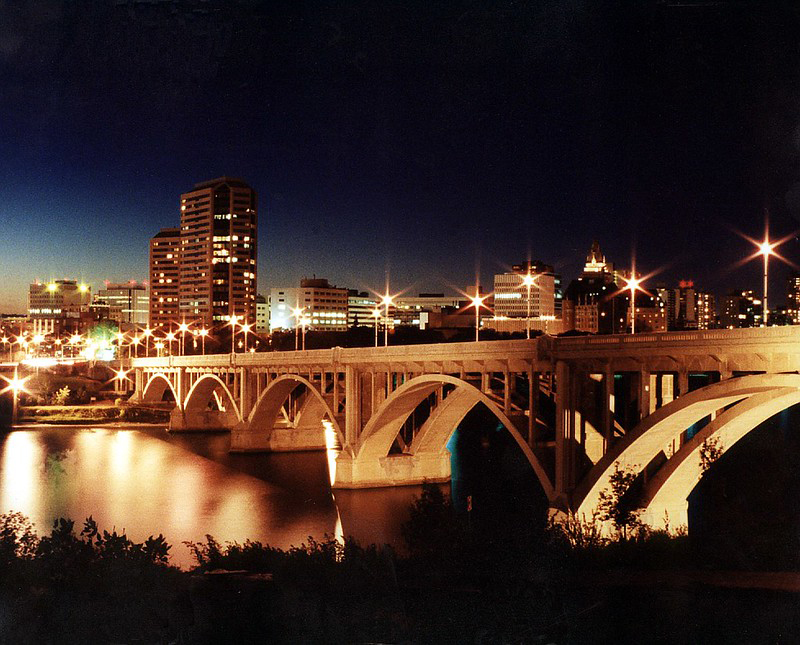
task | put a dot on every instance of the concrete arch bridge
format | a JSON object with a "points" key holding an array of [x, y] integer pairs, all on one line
{"points": [[578, 407]]}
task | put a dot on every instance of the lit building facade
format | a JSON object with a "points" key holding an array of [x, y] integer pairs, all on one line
{"points": [[165, 254], [128, 303], [58, 307], [218, 253], [360, 306], [741, 309], [511, 293], [262, 315], [688, 307], [324, 307], [412, 310], [593, 302], [793, 298]]}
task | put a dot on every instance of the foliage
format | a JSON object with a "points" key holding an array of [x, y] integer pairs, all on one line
{"points": [[618, 504], [431, 528], [710, 451], [17, 538], [60, 397], [577, 531]]}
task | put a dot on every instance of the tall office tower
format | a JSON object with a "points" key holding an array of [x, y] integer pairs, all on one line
{"points": [[165, 254], [793, 297], [128, 302], [218, 252]]}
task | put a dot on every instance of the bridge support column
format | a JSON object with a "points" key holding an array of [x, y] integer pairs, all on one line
{"points": [[565, 429], [607, 409], [644, 394], [533, 405], [683, 382], [352, 404], [393, 470]]}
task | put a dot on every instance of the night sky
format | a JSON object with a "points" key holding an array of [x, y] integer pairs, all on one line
{"points": [[426, 140]]}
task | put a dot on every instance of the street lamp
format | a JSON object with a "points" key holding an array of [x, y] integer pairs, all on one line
{"points": [[376, 314], [135, 342], [170, 338], [183, 328], [477, 302], [633, 283], [528, 280], [246, 329], [232, 323], [386, 301], [16, 385], [203, 333], [297, 312], [159, 346], [147, 333], [765, 249]]}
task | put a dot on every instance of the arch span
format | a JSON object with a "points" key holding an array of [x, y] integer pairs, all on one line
{"points": [[644, 443], [155, 388], [266, 411], [202, 391], [383, 427], [665, 496]]}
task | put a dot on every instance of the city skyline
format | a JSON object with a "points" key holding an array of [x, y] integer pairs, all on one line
{"points": [[428, 144]]}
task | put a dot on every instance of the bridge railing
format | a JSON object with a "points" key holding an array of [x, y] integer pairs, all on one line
{"points": [[756, 334], [483, 350]]}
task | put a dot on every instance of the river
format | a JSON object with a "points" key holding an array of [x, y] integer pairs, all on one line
{"points": [[144, 481]]}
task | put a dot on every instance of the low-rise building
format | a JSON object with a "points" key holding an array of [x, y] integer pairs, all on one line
{"points": [[321, 306]]}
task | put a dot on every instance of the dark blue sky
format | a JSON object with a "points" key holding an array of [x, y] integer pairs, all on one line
{"points": [[423, 138]]}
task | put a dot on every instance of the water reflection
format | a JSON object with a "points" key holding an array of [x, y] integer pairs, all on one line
{"points": [[186, 486]]}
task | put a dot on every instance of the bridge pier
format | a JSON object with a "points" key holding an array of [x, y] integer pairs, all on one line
{"points": [[200, 420], [393, 470]]}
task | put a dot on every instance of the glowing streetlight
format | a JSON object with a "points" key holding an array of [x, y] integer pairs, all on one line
{"points": [[170, 337], [159, 346], [246, 329], [766, 249], [386, 301], [135, 342], [15, 386], [147, 333], [376, 314], [477, 302], [304, 321], [233, 322], [528, 281], [183, 328], [297, 312], [203, 333], [633, 283]]}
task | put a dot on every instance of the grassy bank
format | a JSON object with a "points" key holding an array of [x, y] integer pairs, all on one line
{"points": [[93, 413]]}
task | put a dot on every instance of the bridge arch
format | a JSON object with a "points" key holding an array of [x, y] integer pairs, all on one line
{"points": [[267, 408], [753, 398], [202, 391], [385, 424], [665, 496], [156, 386]]}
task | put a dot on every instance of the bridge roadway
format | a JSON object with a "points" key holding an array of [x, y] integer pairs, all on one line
{"points": [[578, 407]]}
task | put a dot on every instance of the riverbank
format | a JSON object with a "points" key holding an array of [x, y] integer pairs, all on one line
{"points": [[77, 414]]}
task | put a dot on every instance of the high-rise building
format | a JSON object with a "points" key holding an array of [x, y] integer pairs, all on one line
{"points": [[128, 302], [793, 298], [594, 302], [688, 307], [218, 252], [323, 307], [511, 297], [165, 254], [741, 309], [58, 307], [262, 315]]}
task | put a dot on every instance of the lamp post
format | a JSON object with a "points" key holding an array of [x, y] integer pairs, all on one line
{"points": [[159, 346], [386, 301], [147, 333], [528, 280], [765, 249], [234, 320], [477, 302], [135, 342], [376, 314], [633, 284], [203, 334], [297, 312], [183, 328], [246, 329], [170, 338]]}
